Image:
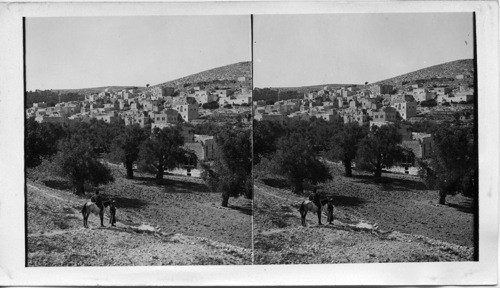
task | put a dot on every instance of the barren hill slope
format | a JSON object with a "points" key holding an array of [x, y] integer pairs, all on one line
{"points": [[224, 74], [442, 73], [446, 70]]}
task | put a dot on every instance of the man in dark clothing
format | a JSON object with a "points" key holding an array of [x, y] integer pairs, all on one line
{"points": [[99, 201], [112, 211], [330, 210], [314, 197]]}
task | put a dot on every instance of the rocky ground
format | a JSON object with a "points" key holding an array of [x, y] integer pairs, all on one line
{"points": [[178, 223], [397, 220]]}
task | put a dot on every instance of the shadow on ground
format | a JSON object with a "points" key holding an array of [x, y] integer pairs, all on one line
{"points": [[58, 184], [463, 206], [276, 183], [123, 202], [174, 186], [390, 184], [345, 201], [244, 210]]}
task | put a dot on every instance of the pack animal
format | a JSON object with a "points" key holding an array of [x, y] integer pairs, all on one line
{"points": [[89, 208], [309, 205]]}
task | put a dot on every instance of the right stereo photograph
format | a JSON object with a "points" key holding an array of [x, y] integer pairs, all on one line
{"points": [[365, 143]]}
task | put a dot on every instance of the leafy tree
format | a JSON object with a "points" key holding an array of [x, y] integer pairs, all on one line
{"points": [[265, 136], [206, 128], [295, 159], [163, 150], [428, 103], [425, 126], [453, 167], [231, 172], [77, 161], [210, 105], [125, 147], [99, 133], [380, 148], [319, 133], [345, 143], [41, 140]]}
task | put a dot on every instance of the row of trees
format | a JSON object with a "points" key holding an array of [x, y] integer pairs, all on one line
{"points": [[50, 97], [296, 152], [77, 151], [78, 147]]}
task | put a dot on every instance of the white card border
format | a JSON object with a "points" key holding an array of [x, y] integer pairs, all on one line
{"points": [[12, 237]]}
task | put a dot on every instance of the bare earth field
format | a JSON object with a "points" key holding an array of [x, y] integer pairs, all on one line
{"points": [[178, 223], [397, 220]]}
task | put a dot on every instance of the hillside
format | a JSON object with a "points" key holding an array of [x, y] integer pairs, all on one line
{"points": [[397, 220], [225, 76], [178, 223], [222, 76], [437, 73]]}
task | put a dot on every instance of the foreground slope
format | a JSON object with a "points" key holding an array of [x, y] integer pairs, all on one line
{"points": [[396, 221], [179, 223]]}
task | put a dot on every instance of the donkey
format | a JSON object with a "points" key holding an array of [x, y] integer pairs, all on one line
{"points": [[91, 207], [309, 205]]}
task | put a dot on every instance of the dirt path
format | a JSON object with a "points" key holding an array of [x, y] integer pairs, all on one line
{"points": [[45, 193]]}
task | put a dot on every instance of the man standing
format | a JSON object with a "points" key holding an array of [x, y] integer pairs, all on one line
{"points": [[330, 210], [112, 211]]}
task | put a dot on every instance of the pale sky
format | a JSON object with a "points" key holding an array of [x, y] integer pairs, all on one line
{"points": [[302, 50], [84, 52]]}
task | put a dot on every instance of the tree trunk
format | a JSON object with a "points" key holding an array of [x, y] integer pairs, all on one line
{"points": [[225, 199], [348, 169], [442, 197], [80, 189], [159, 175], [130, 170], [298, 187], [378, 171]]}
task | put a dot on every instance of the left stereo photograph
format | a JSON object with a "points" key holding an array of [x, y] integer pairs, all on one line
{"points": [[138, 141]]}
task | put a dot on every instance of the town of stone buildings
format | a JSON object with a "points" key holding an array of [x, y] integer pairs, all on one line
{"points": [[377, 104], [156, 106]]}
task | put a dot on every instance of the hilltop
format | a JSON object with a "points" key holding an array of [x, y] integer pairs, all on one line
{"points": [[445, 72], [438, 74], [226, 75]]}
